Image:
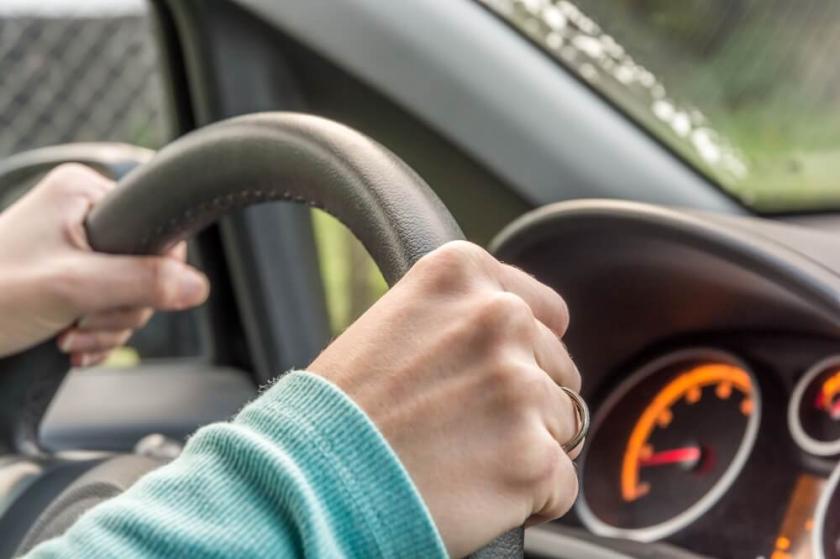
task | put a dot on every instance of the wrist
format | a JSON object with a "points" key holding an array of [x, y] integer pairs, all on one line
{"points": [[357, 469]]}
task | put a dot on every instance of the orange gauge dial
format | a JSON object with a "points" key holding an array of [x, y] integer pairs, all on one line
{"points": [[814, 409], [689, 387], [667, 444], [827, 397]]}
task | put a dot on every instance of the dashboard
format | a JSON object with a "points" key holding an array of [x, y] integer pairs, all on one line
{"points": [[710, 352], [716, 439]]}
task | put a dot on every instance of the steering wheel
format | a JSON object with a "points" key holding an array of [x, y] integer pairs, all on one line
{"points": [[186, 186]]}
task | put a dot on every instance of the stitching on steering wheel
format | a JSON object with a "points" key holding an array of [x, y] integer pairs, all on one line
{"points": [[220, 204]]}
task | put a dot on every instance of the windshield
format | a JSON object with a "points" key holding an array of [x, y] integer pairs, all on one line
{"points": [[748, 91]]}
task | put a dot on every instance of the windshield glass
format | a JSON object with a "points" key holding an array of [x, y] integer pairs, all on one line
{"points": [[748, 91]]}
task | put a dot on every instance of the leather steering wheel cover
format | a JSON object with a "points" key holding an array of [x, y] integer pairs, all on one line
{"points": [[276, 156], [257, 158]]}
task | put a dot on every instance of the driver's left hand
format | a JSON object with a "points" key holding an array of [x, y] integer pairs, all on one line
{"points": [[51, 281]]}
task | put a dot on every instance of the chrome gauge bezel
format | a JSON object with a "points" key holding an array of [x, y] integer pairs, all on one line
{"points": [[822, 510], [712, 497], [800, 437]]}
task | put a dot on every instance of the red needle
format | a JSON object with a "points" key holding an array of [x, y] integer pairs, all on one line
{"points": [[673, 456]]}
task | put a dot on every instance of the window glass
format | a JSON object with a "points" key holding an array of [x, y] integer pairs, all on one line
{"points": [[81, 71], [748, 91], [352, 281]]}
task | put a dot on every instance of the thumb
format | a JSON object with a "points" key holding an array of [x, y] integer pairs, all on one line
{"points": [[160, 282]]}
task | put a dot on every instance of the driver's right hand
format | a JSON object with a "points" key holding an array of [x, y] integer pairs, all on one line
{"points": [[460, 366]]}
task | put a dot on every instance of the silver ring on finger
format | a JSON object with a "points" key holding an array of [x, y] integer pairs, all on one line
{"points": [[582, 413]]}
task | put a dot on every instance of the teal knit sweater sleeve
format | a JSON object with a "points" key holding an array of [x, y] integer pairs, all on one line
{"points": [[300, 472]]}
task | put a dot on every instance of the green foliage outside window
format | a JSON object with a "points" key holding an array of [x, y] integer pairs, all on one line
{"points": [[352, 282]]}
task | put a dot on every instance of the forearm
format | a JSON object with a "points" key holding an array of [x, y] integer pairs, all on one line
{"points": [[300, 472]]}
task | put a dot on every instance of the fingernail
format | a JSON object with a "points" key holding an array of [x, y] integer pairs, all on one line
{"points": [[65, 343], [194, 288], [85, 360]]}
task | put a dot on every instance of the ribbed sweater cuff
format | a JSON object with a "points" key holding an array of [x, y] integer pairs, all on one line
{"points": [[324, 428]]}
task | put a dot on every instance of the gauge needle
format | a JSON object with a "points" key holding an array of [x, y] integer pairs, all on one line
{"points": [[830, 407], [685, 455]]}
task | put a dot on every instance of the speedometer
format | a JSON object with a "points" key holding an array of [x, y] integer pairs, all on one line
{"points": [[667, 444]]}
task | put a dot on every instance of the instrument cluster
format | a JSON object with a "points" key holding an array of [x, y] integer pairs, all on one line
{"points": [[701, 447]]}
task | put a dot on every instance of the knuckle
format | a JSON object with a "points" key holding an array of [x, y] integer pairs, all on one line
{"points": [[504, 312], [564, 487], [538, 458], [67, 174], [460, 252], [161, 287], [451, 266], [519, 388], [75, 178], [504, 376]]}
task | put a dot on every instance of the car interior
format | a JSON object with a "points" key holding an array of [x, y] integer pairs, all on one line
{"points": [[705, 318]]}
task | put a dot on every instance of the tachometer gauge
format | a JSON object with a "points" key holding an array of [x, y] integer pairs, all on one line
{"points": [[667, 444], [814, 409]]}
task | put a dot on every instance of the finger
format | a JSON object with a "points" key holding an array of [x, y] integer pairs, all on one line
{"points": [[77, 341], [88, 359], [575, 452], [547, 305], [118, 319], [553, 358], [561, 418], [178, 252], [559, 492], [71, 190], [74, 179], [107, 282]]}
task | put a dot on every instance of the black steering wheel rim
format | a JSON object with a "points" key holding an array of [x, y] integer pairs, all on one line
{"points": [[230, 165]]}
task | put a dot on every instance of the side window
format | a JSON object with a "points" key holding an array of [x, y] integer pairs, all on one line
{"points": [[352, 282], [78, 72], [87, 72]]}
